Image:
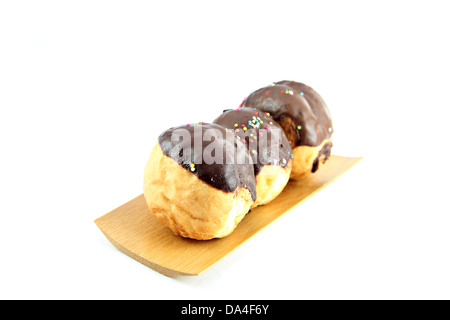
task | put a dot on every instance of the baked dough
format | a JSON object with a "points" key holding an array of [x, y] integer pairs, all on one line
{"points": [[309, 159], [188, 206], [270, 181]]}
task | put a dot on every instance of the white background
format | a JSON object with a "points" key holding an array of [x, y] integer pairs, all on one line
{"points": [[86, 87]]}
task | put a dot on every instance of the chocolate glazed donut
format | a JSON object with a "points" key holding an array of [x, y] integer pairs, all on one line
{"points": [[269, 147], [304, 117], [194, 184]]}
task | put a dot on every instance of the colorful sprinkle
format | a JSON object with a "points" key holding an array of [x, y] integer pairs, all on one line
{"points": [[267, 92], [254, 122], [301, 93], [235, 125], [268, 113], [299, 127], [253, 151]]}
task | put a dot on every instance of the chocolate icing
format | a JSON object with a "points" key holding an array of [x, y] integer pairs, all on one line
{"points": [[256, 129], [326, 152], [224, 173], [298, 108]]}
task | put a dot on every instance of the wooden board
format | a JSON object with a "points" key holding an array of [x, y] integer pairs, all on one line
{"points": [[134, 230]]}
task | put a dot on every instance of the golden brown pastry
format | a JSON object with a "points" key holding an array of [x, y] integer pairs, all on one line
{"points": [[305, 118], [265, 141], [195, 186]]}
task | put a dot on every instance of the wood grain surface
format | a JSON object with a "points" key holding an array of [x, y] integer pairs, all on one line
{"points": [[134, 230]]}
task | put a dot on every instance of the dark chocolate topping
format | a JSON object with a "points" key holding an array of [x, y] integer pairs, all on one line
{"points": [[325, 152], [298, 108], [262, 136], [204, 150]]}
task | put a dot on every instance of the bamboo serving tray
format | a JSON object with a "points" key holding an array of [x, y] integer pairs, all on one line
{"points": [[134, 230]]}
